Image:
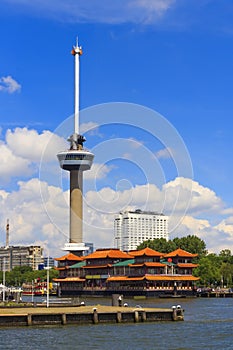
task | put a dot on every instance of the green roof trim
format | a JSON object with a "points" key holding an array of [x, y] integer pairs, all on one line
{"points": [[124, 263], [163, 261], [77, 265]]}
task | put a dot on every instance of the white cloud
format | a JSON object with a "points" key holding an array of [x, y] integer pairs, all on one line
{"points": [[32, 146], [202, 199], [190, 225], [227, 211], [3, 194], [134, 143], [12, 165], [97, 171], [165, 153], [25, 151], [217, 237], [10, 85], [91, 127], [42, 149], [132, 146], [226, 226], [152, 8], [109, 201], [105, 11], [29, 220]]}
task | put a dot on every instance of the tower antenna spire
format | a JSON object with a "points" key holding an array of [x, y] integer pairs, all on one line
{"points": [[76, 52]]}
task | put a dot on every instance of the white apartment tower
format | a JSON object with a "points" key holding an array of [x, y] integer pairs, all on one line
{"points": [[131, 228]]}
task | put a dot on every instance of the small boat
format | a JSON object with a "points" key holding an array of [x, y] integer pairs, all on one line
{"points": [[38, 288], [166, 296], [33, 289]]}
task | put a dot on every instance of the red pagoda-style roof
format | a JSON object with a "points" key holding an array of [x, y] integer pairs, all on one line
{"points": [[154, 278], [61, 268], [171, 278], [108, 253], [148, 264], [145, 252], [187, 265], [69, 279], [180, 252], [70, 257], [97, 266]]}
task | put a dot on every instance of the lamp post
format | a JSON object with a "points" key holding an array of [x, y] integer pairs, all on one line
{"points": [[4, 282], [47, 289], [32, 291]]}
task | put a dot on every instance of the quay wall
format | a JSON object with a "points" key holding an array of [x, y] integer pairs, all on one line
{"points": [[95, 317], [215, 295]]}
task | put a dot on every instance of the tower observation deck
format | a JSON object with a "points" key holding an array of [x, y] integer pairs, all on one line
{"points": [[76, 160]]}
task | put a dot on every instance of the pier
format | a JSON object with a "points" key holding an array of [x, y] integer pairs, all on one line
{"points": [[215, 294], [98, 314]]}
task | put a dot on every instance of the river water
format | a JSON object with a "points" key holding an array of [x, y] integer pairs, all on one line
{"points": [[208, 325]]}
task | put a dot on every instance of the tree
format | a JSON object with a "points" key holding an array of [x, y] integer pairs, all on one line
{"points": [[159, 244], [226, 256], [226, 271], [21, 274], [208, 270], [191, 244], [18, 275], [225, 253]]}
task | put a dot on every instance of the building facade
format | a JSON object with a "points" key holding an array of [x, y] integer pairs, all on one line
{"points": [[143, 273], [13, 256], [131, 228]]}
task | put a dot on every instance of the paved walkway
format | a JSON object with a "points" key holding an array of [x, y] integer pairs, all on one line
{"points": [[71, 309]]}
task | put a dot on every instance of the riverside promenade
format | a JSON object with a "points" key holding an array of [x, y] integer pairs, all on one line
{"points": [[96, 314]]}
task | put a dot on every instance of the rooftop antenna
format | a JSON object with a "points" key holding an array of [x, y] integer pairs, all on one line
{"points": [[7, 233]]}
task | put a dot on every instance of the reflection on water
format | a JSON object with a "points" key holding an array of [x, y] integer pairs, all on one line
{"points": [[208, 324]]}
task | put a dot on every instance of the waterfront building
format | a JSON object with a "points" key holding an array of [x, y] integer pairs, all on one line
{"points": [[65, 262], [12, 256], [131, 228], [88, 272], [99, 266], [158, 274], [145, 272]]}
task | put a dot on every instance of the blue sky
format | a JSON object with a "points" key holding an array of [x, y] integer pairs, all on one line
{"points": [[173, 57]]}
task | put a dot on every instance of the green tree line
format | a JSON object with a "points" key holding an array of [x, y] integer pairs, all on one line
{"points": [[22, 274], [213, 269]]}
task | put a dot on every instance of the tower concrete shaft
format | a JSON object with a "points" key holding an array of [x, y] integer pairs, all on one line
{"points": [[76, 206]]}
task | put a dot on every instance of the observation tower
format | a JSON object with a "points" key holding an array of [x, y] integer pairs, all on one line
{"points": [[76, 160]]}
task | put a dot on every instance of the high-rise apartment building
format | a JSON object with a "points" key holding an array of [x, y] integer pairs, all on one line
{"points": [[131, 228], [12, 256]]}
